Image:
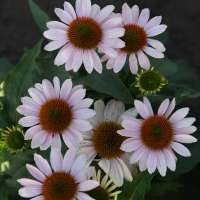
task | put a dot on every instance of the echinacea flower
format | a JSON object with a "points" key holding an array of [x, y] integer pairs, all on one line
{"points": [[12, 138], [103, 142], [80, 33], [66, 178], [106, 190], [154, 138], [139, 30], [53, 111], [150, 81]]}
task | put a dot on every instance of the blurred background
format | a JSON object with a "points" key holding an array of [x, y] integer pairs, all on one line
{"points": [[18, 32]]}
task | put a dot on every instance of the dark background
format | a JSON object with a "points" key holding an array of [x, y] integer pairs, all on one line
{"points": [[18, 31]]}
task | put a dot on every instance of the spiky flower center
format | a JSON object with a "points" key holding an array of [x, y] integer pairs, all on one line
{"points": [[99, 193], [55, 116], [107, 141], [157, 133], [59, 186], [150, 81], [15, 140], [135, 38], [85, 33]]}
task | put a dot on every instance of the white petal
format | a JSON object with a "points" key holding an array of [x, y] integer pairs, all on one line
{"points": [[28, 121], [37, 174], [114, 110], [126, 171], [38, 198], [32, 131], [97, 62], [114, 32], [163, 107], [144, 17], [156, 44], [47, 143], [56, 34], [86, 8], [84, 113], [56, 141], [56, 159], [66, 89], [77, 96], [133, 63], [77, 60], [27, 111], [88, 61], [83, 196], [137, 155], [28, 182], [170, 159], [161, 165], [38, 139], [153, 52], [130, 145], [179, 115], [53, 45], [42, 164], [85, 103], [186, 130], [181, 149], [143, 60], [105, 13], [88, 185], [135, 13], [68, 160], [156, 30], [148, 104], [152, 162], [95, 10], [48, 89], [183, 138], [37, 96], [153, 22], [29, 102], [170, 108], [82, 125], [56, 25], [56, 83], [186, 122], [132, 124], [119, 62], [63, 16], [142, 109], [78, 165], [63, 55], [69, 9], [112, 22], [28, 192], [127, 14]]}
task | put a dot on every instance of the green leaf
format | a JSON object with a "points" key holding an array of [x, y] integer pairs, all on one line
{"points": [[5, 67], [40, 17], [19, 80], [108, 83], [138, 188]]}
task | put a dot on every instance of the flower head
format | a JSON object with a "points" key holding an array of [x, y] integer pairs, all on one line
{"points": [[12, 138], [83, 31], [103, 142], [53, 111], [106, 190], [154, 138], [139, 30], [150, 81], [68, 179]]}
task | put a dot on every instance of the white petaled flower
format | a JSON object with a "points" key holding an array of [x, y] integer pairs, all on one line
{"points": [[106, 190], [154, 138], [53, 111], [66, 178], [139, 30], [103, 142], [80, 33]]}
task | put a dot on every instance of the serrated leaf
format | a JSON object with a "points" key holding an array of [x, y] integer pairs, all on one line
{"points": [[108, 83], [40, 17], [19, 80]]}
